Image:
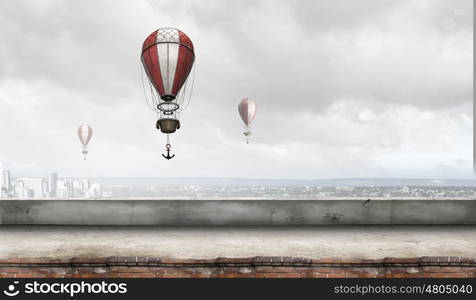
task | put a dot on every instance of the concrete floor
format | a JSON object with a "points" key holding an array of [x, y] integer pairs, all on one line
{"points": [[367, 242]]}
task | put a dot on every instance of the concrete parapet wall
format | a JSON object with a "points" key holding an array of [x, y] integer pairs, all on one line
{"points": [[238, 212]]}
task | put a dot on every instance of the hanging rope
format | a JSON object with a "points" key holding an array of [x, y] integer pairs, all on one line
{"points": [[85, 151], [247, 133], [191, 88], [143, 89]]}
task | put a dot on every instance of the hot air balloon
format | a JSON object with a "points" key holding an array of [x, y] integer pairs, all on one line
{"points": [[247, 110], [85, 132], [167, 58]]}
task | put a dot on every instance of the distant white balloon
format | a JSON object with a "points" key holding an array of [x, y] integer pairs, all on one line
{"points": [[85, 132], [247, 110]]}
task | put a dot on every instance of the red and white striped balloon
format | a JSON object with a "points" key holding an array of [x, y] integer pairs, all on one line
{"points": [[167, 57], [85, 132], [247, 110]]}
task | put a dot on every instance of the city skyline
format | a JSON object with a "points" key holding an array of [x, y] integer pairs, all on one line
{"points": [[50, 187], [55, 187]]}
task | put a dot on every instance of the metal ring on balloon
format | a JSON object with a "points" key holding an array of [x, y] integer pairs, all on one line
{"points": [[168, 107]]}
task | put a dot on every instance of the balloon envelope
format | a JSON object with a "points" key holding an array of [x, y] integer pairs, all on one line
{"points": [[85, 132], [167, 57], [247, 110]]}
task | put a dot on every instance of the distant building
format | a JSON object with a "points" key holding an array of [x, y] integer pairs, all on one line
{"points": [[2, 188], [52, 184], [21, 191], [95, 191], [30, 187], [7, 181], [344, 188], [64, 188], [53, 187], [24, 189], [80, 188]]}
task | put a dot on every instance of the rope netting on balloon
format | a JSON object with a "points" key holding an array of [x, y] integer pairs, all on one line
{"points": [[181, 101]]}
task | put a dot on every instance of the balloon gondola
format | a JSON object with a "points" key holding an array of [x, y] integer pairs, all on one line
{"points": [[167, 59], [247, 110], [85, 132]]}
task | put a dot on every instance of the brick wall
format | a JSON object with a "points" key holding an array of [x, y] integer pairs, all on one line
{"points": [[265, 267]]}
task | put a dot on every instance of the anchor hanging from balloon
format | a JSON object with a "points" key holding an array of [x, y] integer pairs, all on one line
{"points": [[167, 148], [168, 152], [167, 59]]}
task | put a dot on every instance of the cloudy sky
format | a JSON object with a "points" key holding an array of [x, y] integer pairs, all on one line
{"points": [[344, 88]]}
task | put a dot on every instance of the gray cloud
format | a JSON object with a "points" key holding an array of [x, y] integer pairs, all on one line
{"points": [[343, 87]]}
